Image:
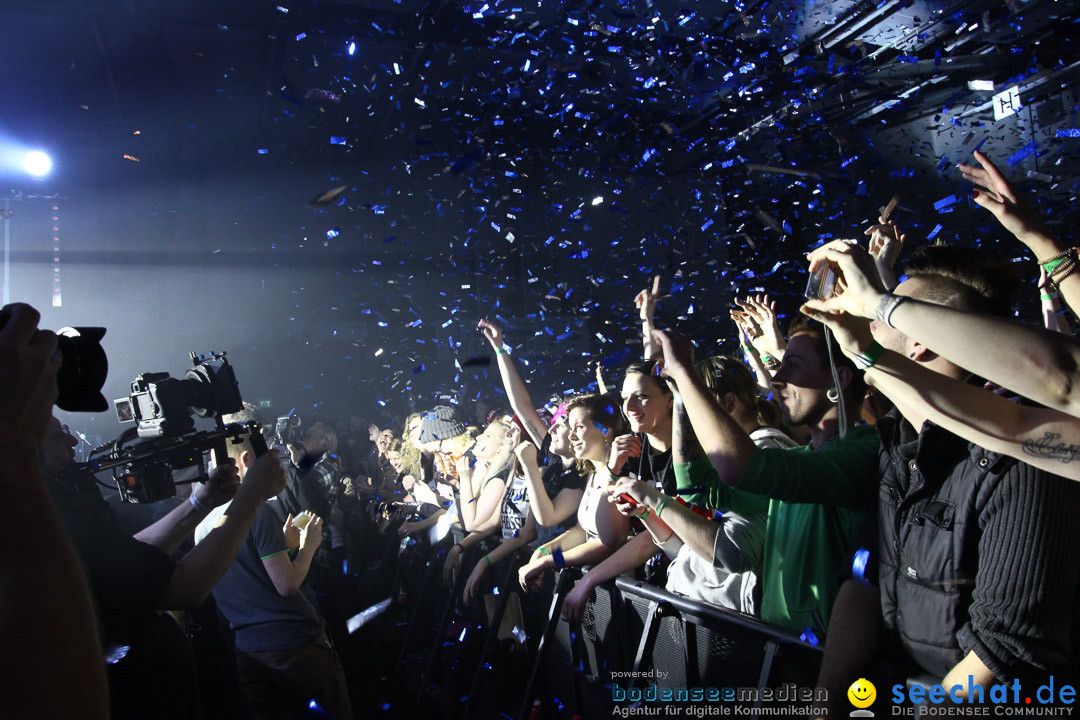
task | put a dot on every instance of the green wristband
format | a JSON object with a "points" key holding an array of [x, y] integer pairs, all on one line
{"points": [[500, 351], [544, 551], [873, 353], [660, 507], [487, 561], [1049, 296], [1053, 265]]}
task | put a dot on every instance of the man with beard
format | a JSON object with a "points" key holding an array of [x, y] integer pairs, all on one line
{"points": [[806, 544]]}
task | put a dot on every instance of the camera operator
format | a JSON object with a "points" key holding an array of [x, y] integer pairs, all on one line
{"points": [[150, 665], [283, 653], [313, 482], [46, 616]]}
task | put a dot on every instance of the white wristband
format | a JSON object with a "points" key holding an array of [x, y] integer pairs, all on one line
{"points": [[196, 504], [887, 307]]}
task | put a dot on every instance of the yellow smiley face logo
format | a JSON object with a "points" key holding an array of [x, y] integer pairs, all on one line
{"points": [[862, 693]]}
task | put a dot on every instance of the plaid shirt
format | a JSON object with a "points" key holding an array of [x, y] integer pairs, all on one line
{"points": [[321, 486]]}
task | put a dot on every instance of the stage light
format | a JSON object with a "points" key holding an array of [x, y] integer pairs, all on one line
{"points": [[352, 48], [37, 163]]}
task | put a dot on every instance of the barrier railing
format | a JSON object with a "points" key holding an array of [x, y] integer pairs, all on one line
{"points": [[632, 635], [632, 630]]}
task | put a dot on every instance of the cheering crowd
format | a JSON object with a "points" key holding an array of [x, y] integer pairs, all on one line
{"points": [[894, 477]]}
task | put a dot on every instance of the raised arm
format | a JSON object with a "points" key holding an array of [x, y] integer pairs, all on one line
{"points": [[684, 443], [758, 314], [727, 445], [1034, 362], [886, 242], [1050, 302], [645, 301], [477, 509], [47, 622], [170, 532], [548, 511], [1045, 438], [520, 401], [995, 193], [199, 571]]}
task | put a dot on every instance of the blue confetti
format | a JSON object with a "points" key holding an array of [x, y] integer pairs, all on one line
{"points": [[1022, 154], [945, 202]]}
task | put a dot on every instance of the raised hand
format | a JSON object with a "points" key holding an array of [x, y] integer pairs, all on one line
{"points": [[678, 355], [28, 365], [860, 288], [765, 334], [852, 333], [886, 242], [645, 301], [999, 197], [526, 453], [492, 332], [266, 475], [220, 487]]}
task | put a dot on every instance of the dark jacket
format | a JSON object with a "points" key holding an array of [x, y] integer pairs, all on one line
{"points": [[977, 552]]}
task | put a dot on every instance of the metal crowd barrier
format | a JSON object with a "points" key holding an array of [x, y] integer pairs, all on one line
{"points": [[632, 629], [630, 632]]}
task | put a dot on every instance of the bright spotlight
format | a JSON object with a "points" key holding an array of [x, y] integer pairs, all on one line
{"points": [[37, 163]]}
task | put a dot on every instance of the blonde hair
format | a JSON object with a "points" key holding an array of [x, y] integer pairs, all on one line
{"points": [[410, 454]]}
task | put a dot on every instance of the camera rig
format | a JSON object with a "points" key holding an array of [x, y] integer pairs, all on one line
{"points": [[164, 450]]}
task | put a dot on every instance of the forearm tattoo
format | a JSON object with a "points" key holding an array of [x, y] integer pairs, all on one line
{"points": [[684, 442], [1049, 447]]}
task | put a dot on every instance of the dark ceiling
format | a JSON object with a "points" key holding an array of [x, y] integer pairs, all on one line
{"points": [[534, 161]]}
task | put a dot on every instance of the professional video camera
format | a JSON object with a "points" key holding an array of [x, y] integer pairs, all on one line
{"points": [[287, 429], [164, 450]]}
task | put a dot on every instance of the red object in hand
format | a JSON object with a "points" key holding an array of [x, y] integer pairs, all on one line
{"points": [[627, 499]]}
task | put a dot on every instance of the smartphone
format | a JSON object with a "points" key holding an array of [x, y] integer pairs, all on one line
{"points": [[822, 283]]}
